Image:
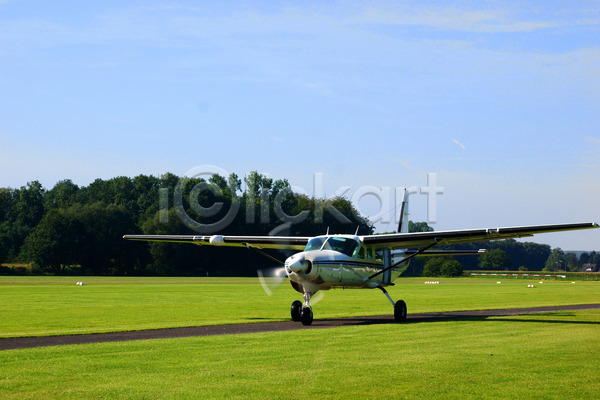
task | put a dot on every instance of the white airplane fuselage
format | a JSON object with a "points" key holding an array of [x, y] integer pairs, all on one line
{"points": [[343, 261]]}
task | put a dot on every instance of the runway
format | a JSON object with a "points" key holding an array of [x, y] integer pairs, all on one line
{"points": [[236, 329]]}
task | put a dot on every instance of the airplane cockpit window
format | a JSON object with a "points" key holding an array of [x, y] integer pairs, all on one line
{"points": [[315, 244], [361, 253], [341, 244]]}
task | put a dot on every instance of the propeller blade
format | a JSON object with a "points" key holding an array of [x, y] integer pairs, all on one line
{"points": [[271, 278], [317, 298]]}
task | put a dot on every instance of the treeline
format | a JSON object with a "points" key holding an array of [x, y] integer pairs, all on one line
{"points": [[512, 255], [78, 230]]}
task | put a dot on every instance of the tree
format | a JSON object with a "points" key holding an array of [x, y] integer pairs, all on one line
{"points": [[104, 252], [535, 255], [419, 227], [89, 236], [55, 243], [433, 266], [62, 195], [29, 206], [451, 268], [439, 266], [556, 260], [172, 258], [27, 211], [495, 259], [584, 258], [7, 200], [571, 262], [594, 258], [146, 197]]}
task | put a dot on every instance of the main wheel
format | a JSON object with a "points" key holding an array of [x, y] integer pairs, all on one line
{"points": [[400, 311], [296, 309], [307, 316]]}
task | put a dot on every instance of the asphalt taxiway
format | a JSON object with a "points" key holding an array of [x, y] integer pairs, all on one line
{"points": [[236, 329]]}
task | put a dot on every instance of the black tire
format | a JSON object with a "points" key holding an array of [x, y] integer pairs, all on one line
{"points": [[307, 316], [400, 311], [296, 310]]}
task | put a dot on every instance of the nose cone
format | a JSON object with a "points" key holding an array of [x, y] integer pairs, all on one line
{"points": [[297, 263]]}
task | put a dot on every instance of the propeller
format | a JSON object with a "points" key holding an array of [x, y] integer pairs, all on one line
{"points": [[317, 297], [271, 278]]}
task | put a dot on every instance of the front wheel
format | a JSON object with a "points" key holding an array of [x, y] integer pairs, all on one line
{"points": [[400, 311], [296, 309], [307, 316]]}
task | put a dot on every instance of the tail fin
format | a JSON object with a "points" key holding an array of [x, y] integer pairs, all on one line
{"points": [[403, 224]]}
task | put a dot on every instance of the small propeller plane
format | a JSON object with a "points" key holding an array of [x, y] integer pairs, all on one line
{"points": [[363, 262]]}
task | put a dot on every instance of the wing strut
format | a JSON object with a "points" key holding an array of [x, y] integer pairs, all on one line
{"points": [[420, 251], [262, 253]]}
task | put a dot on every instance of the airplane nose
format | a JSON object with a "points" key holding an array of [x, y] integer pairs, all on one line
{"points": [[297, 264]]}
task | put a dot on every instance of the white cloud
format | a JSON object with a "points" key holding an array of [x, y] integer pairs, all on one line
{"points": [[451, 18], [462, 146], [591, 139]]}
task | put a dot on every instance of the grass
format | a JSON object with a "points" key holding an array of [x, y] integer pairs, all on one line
{"points": [[35, 306], [550, 356]]}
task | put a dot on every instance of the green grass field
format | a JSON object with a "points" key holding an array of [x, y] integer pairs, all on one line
{"points": [[37, 306], [552, 355]]}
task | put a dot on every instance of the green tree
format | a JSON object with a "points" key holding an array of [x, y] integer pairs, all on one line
{"points": [[62, 195], [172, 258], [7, 201], [146, 197], [89, 236], [439, 266], [534, 255], [584, 258], [29, 206], [27, 211], [495, 259], [55, 243], [419, 227], [433, 266], [451, 268], [556, 261], [594, 257], [571, 262], [84, 225], [104, 252]]}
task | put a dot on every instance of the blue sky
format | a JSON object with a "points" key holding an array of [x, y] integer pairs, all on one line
{"points": [[500, 99]]}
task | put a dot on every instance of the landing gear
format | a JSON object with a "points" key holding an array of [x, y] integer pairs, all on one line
{"points": [[307, 316], [296, 311], [303, 311], [399, 306], [400, 311]]}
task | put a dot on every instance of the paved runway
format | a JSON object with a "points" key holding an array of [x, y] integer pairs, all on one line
{"points": [[27, 342]]}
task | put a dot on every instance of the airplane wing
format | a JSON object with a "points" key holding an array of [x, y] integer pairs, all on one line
{"points": [[392, 241], [258, 242], [424, 239]]}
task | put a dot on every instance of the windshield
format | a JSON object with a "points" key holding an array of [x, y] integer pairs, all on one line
{"points": [[341, 244], [347, 246], [315, 244]]}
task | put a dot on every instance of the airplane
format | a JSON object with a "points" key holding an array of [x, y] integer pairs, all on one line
{"points": [[359, 261]]}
